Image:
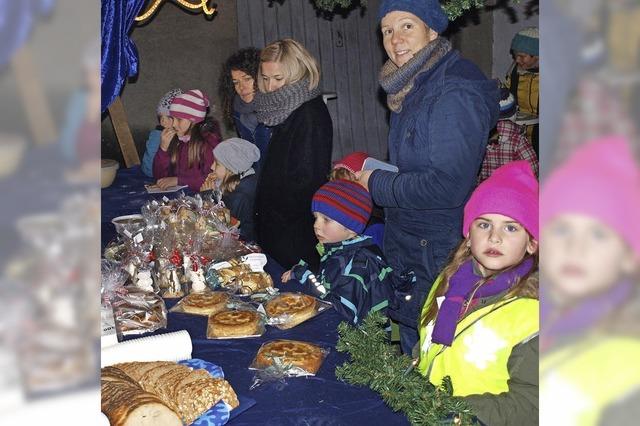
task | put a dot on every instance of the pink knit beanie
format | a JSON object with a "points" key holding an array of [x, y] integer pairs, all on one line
{"points": [[191, 105], [512, 190], [600, 180]]}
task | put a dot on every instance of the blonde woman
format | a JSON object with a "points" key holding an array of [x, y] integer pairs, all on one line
{"points": [[298, 159]]}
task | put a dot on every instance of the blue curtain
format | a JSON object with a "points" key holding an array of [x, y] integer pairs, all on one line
{"points": [[16, 20], [119, 54]]}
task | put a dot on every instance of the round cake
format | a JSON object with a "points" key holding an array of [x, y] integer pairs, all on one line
{"points": [[299, 307], [233, 323], [300, 354], [206, 303]]}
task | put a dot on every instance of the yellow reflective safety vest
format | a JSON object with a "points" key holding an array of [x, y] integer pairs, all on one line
{"points": [[579, 381], [477, 359]]}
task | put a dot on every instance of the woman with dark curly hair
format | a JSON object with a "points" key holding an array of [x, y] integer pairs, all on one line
{"points": [[237, 87]]}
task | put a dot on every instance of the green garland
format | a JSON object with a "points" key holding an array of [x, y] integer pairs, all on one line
{"points": [[378, 365], [330, 5], [453, 8]]}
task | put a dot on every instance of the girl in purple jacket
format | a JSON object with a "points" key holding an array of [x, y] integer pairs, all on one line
{"points": [[186, 149]]}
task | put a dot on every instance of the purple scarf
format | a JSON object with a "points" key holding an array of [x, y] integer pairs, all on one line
{"points": [[582, 316], [461, 285]]}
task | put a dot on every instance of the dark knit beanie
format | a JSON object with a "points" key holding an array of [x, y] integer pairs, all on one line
{"points": [[429, 11], [526, 41], [508, 105], [344, 201]]}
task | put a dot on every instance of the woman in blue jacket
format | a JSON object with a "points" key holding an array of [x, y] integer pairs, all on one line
{"points": [[442, 109]]}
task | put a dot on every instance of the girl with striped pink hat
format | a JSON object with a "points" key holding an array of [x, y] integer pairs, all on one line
{"points": [[186, 148]]}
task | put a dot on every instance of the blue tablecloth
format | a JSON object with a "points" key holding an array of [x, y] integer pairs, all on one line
{"points": [[126, 195], [318, 400]]}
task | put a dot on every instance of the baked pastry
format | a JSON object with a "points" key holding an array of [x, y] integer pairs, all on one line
{"points": [[251, 282], [208, 184], [227, 276], [124, 402], [198, 396], [185, 392], [297, 307], [224, 214], [139, 311], [185, 213], [206, 303], [233, 323], [305, 355]]}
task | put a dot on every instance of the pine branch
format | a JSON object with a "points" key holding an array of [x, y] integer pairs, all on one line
{"points": [[331, 5], [453, 8], [378, 365]]}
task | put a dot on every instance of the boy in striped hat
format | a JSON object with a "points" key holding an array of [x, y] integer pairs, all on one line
{"points": [[353, 274]]}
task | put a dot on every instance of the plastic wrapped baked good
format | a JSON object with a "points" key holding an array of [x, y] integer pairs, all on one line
{"points": [[235, 323], [205, 303], [293, 357], [137, 311], [290, 309], [252, 282]]}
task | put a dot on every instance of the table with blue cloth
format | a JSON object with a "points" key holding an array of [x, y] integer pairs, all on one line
{"points": [[317, 400]]}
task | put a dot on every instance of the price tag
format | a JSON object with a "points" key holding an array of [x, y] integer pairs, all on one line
{"points": [[221, 265], [256, 261], [138, 238]]}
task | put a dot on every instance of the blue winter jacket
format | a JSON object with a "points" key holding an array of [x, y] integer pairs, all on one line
{"points": [[355, 277], [151, 147], [438, 142]]}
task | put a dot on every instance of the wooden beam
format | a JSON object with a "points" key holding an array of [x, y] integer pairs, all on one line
{"points": [[36, 107], [123, 133]]}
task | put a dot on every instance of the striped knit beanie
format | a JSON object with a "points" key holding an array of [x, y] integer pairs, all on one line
{"points": [[526, 41], [346, 202], [165, 102], [191, 105]]}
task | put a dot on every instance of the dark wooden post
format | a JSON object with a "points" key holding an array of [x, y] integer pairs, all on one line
{"points": [[123, 133]]}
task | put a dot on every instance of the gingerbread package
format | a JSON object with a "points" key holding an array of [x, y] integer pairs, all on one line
{"points": [[204, 303], [278, 359], [137, 311], [240, 321], [287, 310]]}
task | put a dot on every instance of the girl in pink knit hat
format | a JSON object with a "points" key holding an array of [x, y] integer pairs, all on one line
{"points": [[479, 324], [590, 212], [186, 148], [590, 311]]}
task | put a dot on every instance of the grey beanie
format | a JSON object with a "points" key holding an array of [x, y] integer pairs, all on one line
{"points": [[165, 102], [237, 155]]}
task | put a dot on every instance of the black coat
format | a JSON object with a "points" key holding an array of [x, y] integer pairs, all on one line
{"points": [[241, 204], [298, 162]]}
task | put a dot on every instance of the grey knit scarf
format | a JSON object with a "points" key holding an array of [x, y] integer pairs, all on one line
{"points": [[274, 107], [398, 81], [247, 112]]}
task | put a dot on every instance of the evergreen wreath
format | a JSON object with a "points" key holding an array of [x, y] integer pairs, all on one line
{"points": [[377, 364], [453, 8]]}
